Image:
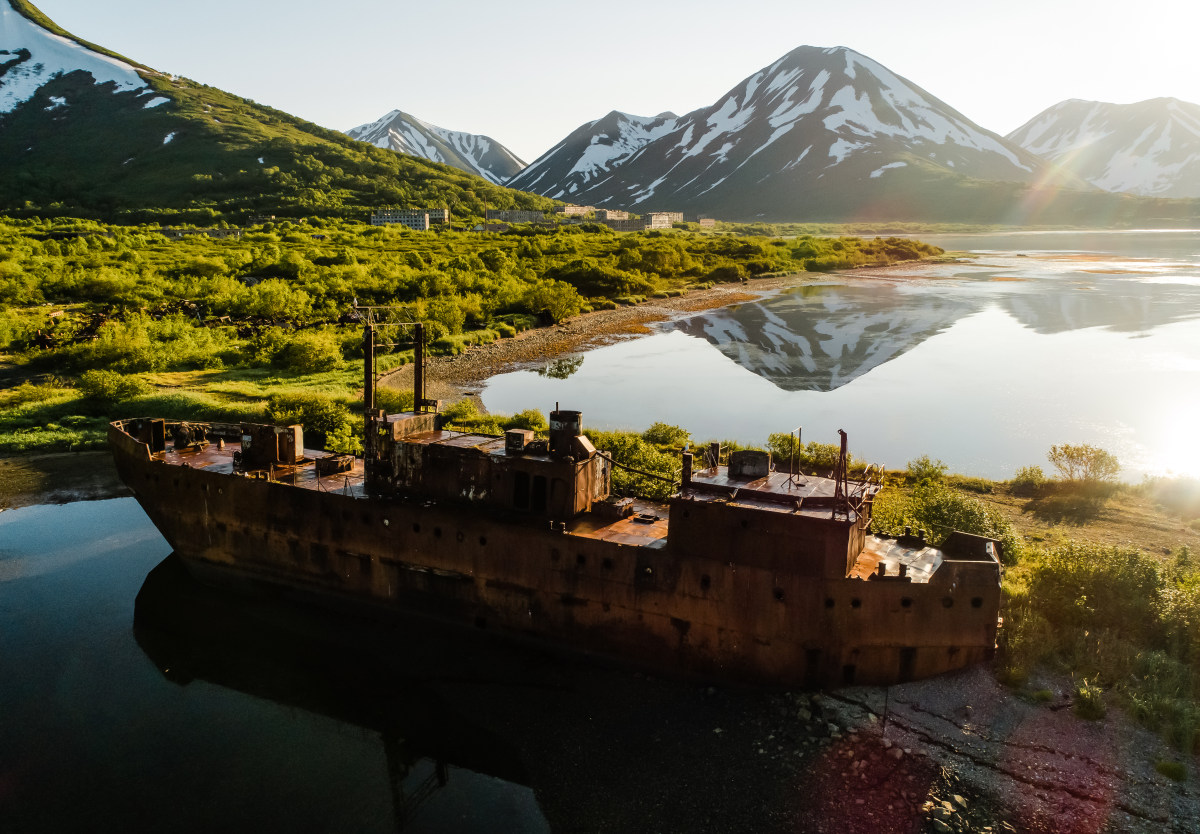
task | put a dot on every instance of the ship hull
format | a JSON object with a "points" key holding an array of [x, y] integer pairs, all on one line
{"points": [[673, 609]]}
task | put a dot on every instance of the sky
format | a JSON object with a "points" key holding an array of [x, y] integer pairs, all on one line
{"points": [[528, 72]]}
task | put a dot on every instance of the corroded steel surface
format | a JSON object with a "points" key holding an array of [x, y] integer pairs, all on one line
{"points": [[714, 584]]}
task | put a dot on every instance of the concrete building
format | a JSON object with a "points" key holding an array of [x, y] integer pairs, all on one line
{"points": [[611, 214], [574, 211], [514, 216], [416, 219]]}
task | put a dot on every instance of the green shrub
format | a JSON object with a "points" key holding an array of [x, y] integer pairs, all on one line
{"points": [[321, 416], [1029, 480], [926, 468], [109, 388], [1175, 771], [311, 352], [667, 436], [1089, 701]]}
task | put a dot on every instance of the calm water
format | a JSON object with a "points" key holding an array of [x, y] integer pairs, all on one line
{"points": [[1041, 339], [95, 737], [134, 700]]}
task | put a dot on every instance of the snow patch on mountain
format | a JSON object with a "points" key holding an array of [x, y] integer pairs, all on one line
{"points": [[1151, 148], [47, 55], [157, 101]]}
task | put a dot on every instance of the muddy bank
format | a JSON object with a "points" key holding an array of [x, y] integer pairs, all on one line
{"points": [[58, 478], [452, 377]]}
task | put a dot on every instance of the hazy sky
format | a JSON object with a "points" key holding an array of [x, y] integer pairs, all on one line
{"points": [[527, 72]]}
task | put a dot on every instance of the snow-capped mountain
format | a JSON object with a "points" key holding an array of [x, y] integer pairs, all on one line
{"points": [[31, 56], [469, 152], [1150, 148], [590, 152], [820, 132]]}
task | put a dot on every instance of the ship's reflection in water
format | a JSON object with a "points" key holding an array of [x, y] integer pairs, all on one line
{"points": [[370, 676], [479, 734]]}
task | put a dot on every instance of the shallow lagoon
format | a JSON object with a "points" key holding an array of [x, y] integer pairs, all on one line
{"points": [[1040, 338]]}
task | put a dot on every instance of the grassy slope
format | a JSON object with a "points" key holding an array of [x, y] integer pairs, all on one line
{"points": [[103, 155]]}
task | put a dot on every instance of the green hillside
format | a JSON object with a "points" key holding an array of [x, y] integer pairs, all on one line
{"points": [[104, 155]]}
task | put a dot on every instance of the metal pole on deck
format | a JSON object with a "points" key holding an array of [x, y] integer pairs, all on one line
{"points": [[368, 391], [419, 370]]}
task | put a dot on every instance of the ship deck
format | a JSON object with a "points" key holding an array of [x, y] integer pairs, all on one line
{"points": [[302, 475]]}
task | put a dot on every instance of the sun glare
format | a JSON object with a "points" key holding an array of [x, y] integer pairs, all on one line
{"points": [[1176, 449]]}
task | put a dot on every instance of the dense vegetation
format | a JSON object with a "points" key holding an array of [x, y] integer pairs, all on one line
{"points": [[272, 309]]}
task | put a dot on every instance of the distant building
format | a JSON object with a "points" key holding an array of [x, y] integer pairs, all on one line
{"points": [[491, 227], [415, 219], [514, 215], [439, 215], [706, 222], [652, 220], [611, 214], [574, 211]]}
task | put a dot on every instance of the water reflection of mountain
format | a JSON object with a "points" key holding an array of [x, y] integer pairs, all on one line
{"points": [[1121, 304], [819, 338], [601, 749]]}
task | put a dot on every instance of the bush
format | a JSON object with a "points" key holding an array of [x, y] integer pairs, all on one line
{"points": [[109, 388], [1029, 480], [311, 351], [1089, 701], [322, 417], [668, 436], [926, 468]]}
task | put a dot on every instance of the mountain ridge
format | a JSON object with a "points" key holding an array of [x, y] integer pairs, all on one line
{"points": [[470, 152], [98, 150], [1149, 148]]}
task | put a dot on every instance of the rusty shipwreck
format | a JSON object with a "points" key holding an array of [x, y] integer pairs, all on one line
{"points": [[747, 572]]}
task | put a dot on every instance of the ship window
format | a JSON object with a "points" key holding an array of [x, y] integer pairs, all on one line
{"points": [[779, 594], [483, 541], [366, 518], [848, 674], [437, 532], [458, 537], [906, 602], [856, 603], [829, 602], [416, 528], [580, 559], [705, 582], [947, 603], [607, 564], [521, 490], [538, 499], [977, 602]]}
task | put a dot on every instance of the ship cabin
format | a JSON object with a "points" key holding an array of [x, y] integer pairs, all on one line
{"points": [[557, 479]]}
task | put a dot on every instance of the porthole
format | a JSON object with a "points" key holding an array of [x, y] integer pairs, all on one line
{"points": [[856, 603], [607, 564], [459, 537], [829, 602], [416, 528], [437, 532], [977, 602], [779, 594], [580, 559], [705, 582], [906, 602], [483, 541], [947, 602]]}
